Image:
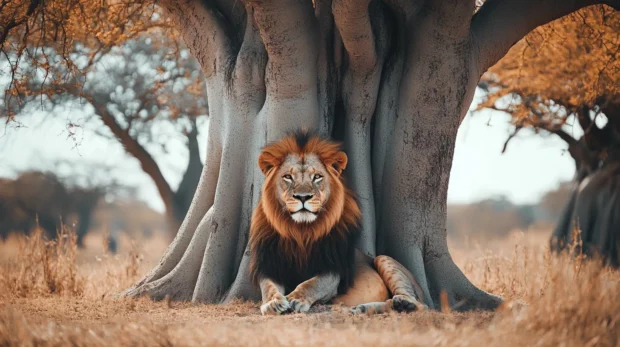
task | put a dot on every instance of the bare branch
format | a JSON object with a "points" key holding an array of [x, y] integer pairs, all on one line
{"points": [[132, 146], [499, 24], [564, 136], [576, 149], [514, 133]]}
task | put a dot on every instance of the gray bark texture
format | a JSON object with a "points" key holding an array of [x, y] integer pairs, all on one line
{"points": [[391, 79]]}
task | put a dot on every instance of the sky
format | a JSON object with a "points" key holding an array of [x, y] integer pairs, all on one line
{"points": [[532, 164]]}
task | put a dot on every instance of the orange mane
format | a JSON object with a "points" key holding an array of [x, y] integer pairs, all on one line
{"points": [[340, 214]]}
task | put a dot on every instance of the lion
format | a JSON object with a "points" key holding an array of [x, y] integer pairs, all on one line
{"points": [[303, 234]]}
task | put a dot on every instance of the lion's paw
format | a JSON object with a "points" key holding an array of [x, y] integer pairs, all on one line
{"points": [[299, 305], [405, 303], [359, 309], [278, 305]]}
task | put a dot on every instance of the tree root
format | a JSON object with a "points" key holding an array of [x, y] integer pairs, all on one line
{"points": [[445, 277]]}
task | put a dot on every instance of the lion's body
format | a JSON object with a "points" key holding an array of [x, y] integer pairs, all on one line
{"points": [[304, 231], [290, 264], [367, 285]]}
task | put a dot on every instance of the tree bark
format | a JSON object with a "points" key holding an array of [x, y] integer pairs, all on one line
{"points": [[392, 79]]}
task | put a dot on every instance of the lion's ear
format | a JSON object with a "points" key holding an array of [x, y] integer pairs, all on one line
{"points": [[339, 161], [266, 162]]}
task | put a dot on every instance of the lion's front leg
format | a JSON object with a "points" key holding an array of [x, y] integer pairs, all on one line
{"points": [[274, 301], [320, 288]]}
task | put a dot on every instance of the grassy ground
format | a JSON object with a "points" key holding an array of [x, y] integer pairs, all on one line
{"points": [[51, 294]]}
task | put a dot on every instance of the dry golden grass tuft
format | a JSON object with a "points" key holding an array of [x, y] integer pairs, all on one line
{"points": [[551, 300], [42, 267]]}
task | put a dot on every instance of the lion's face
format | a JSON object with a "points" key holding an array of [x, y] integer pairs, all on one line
{"points": [[302, 186], [304, 192]]}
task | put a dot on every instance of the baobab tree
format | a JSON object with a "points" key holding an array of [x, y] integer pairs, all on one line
{"points": [[564, 79], [391, 79]]}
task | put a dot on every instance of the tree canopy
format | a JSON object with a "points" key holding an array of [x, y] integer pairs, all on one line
{"points": [[565, 78], [564, 75], [47, 34], [118, 62]]}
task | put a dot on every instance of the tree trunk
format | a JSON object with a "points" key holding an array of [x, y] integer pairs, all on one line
{"points": [[592, 209], [182, 198], [393, 79]]}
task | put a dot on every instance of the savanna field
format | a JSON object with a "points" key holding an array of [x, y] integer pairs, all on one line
{"points": [[52, 293]]}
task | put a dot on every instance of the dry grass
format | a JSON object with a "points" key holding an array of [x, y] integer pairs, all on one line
{"points": [[51, 295], [42, 267]]}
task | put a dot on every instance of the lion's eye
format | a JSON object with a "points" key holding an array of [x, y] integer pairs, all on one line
{"points": [[288, 177], [317, 178]]}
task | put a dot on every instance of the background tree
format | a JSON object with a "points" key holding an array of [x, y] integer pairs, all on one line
{"points": [[275, 65], [30, 197], [44, 199], [553, 202], [135, 90], [564, 78], [493, 217]]}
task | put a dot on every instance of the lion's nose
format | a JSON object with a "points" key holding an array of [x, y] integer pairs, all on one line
{"points": [[303, 197]]}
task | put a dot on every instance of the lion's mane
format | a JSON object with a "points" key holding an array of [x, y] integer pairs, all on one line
{"points": [[290, 252]]}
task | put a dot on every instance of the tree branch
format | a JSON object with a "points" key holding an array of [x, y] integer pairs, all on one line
{"points": [[204, 32], [583, 117], [251, 60], [565, 136], [353, 22], [514, 133], [291, 43], [612, 112], [133, 147], [6, 28], [499, 24]]}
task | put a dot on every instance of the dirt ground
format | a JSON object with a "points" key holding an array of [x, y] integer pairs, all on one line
{"points": [[51, 294]]}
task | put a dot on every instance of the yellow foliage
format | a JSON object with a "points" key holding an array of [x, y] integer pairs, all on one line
{"points": [[572, 62], [54, 40]]}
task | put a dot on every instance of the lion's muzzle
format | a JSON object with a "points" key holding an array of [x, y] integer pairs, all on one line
{"points": [[306, 209]]}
